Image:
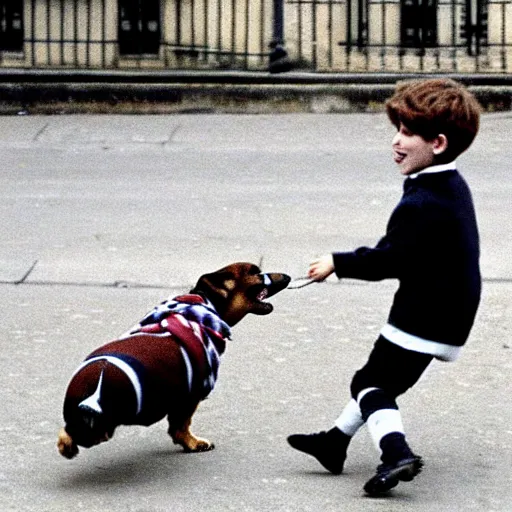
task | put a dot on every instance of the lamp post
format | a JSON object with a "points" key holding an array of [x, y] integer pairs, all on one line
{"points": [[278, 57]]}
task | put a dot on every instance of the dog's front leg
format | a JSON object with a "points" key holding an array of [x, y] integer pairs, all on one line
{"points": [[184, 437], [67, 447]]}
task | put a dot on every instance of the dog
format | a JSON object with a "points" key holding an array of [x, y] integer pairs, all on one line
{"points": [[165, 365]]}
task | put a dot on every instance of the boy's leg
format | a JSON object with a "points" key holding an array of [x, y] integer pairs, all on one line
{"points": [[389, 372], [330, 448], [385, 426], [350, 420]]}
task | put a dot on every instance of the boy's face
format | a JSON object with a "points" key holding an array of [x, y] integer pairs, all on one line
{"points": [[411, 152]]}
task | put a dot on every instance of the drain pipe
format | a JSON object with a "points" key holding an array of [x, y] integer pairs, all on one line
{"points": [[278, 56]]}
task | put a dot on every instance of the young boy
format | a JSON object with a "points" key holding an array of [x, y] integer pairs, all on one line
{"points": [[431, 246]]}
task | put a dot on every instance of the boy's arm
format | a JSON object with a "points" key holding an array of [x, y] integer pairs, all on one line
{"points": [[396, 252], [369, 264]]}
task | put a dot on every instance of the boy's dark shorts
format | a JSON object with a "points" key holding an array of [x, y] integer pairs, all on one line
{"points": [[391, 368]]}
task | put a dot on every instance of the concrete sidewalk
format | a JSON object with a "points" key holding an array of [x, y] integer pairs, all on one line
{"points": [[104, 216]]}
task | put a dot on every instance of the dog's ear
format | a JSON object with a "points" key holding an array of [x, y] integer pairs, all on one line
{"points": [[216, 283]]}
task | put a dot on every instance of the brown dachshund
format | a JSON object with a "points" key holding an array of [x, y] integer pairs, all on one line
{"points": [[166, 364]]}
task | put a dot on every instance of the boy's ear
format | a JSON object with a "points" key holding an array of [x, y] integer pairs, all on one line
{"points": [[440, 144]]}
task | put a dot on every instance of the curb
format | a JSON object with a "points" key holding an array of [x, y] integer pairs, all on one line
{"points": [[160, 92]]}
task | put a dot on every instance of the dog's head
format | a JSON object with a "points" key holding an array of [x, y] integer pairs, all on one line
{"points": [[240, 288]]}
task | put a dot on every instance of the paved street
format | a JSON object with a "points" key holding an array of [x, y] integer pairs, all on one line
{"points": [[102, 217]]}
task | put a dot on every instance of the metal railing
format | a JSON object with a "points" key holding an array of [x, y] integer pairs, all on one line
{"points": [[315, 35]]}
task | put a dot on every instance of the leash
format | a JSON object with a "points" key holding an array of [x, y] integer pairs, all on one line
{"points": [[300, 282]]}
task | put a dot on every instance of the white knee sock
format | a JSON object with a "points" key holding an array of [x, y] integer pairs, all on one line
{"points": [[383, 421], [350, 419]]}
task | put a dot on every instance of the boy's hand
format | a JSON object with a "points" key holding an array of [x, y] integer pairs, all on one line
{"points": [[321, 268]]}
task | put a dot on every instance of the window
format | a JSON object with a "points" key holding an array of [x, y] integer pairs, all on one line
{"points": [[418, 23], [11, 25], [139, 27], [474, 25]]}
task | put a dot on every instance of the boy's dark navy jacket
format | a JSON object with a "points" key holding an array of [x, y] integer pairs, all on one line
{"points": [[432, 247]]}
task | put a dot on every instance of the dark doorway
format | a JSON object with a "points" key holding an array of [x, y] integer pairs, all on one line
{"points": [[418, 27], [11, 25], [139, 27]]}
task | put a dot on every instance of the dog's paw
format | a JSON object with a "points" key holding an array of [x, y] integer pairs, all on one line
{"points": [[203, 445], [192, 444], [66, 446]]}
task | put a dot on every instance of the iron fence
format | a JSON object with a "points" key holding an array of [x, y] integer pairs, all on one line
{"points": [[313, 35]]}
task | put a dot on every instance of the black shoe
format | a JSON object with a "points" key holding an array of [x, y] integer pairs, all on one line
{"points": [[329, 448], [388, 475]]}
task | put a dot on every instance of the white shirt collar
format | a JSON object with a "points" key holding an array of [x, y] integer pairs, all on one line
{"points": [[435, 168]]}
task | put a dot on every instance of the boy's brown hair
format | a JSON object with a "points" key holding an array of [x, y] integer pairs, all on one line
{"points": [[436, 106]]}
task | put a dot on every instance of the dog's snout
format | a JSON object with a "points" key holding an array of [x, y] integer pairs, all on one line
{"points": [[276, 282], [283, 278]]}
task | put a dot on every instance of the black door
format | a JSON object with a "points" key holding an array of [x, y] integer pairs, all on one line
{"points": [[11, 25], [139, 27], [418, 28]]}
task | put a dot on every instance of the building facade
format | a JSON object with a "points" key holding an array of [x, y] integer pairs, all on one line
{"points": [[318, 35]]}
